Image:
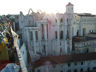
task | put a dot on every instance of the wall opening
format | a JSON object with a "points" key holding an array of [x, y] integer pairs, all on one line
{"points": [[84, 31], [75, 70], [81, 70], [61, 34], [36, 34], [31, 35], [42, 27], [56, 34]]}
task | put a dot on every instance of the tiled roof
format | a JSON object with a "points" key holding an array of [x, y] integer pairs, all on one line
{"points": [[3, 63], [64, 59], [81, 39]]}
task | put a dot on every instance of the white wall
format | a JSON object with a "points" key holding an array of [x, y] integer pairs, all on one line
{"points": [[64, 67]]}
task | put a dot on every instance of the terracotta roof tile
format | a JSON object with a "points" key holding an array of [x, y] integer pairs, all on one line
{"points": [[64, 59]]}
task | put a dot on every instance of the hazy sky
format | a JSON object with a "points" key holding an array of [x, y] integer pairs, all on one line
{"points": [[50, 6]]}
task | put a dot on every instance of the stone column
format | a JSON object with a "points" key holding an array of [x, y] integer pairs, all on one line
{"points": [[27, 32], [58, 37], [70, 40], [39, 40], [65, 34], [28, 42], [80, 29], [70, 33], [45, 37]]}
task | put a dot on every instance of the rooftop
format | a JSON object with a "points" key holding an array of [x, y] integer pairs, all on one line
{"points": [[51, 60], [86, 14], [91, 36]]}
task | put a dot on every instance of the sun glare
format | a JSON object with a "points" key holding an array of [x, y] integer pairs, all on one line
{"points": [[48, 6]]}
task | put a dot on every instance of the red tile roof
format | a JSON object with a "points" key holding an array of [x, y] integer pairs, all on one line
{"points": [[64, 59], [3, 63]]}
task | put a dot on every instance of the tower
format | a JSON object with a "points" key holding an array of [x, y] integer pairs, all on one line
{"points": [[69, 8], [69, 20]]}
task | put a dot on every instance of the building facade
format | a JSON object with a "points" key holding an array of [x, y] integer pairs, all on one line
{"points": [[58, 34]]}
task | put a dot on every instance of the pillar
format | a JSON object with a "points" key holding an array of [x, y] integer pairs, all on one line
{"points": [[65, 34], [80, 29], [45, 37], [58, 37]]}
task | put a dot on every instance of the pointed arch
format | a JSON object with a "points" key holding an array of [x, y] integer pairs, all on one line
{"points": [[30, 11]]}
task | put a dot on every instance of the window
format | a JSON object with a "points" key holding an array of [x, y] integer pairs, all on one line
{"points": [[42, 31], [56, 34], [54, 66], [44, 48], [84, 31], [94, 68], [61, 71], [72, 8], [75, 70], [36, 34], [61, 20], [69, 70], [47, 31], [88, 69], [60, 51], [31, 35], [81, 70], [68, 34], [56, 20], [77, 32], [81, 63], [68, 64], [87, 51], [61, 35], [75, 63], [38, 70]]}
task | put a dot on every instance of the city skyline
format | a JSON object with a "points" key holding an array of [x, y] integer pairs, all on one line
{"points": [[48, 6]]}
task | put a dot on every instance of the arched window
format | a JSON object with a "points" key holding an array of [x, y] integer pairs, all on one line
{"points": [[88, 69], [56, 20], [36, 34], [42, 26], [31, 35], [69, 64], [81, 63], [44, 48], [69, 70], [38, 70], [61, 34], [75, 70], [61, 20], [56, 34], [81, 70]]}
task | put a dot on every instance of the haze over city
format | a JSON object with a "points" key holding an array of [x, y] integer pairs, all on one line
{"points": [[49, 6]]}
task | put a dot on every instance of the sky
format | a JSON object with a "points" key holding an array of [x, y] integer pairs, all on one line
{"points": [[49, 6]]}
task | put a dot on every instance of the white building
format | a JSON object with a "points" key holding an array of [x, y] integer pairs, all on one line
{"points": [[51, 35], [67, 63]]}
